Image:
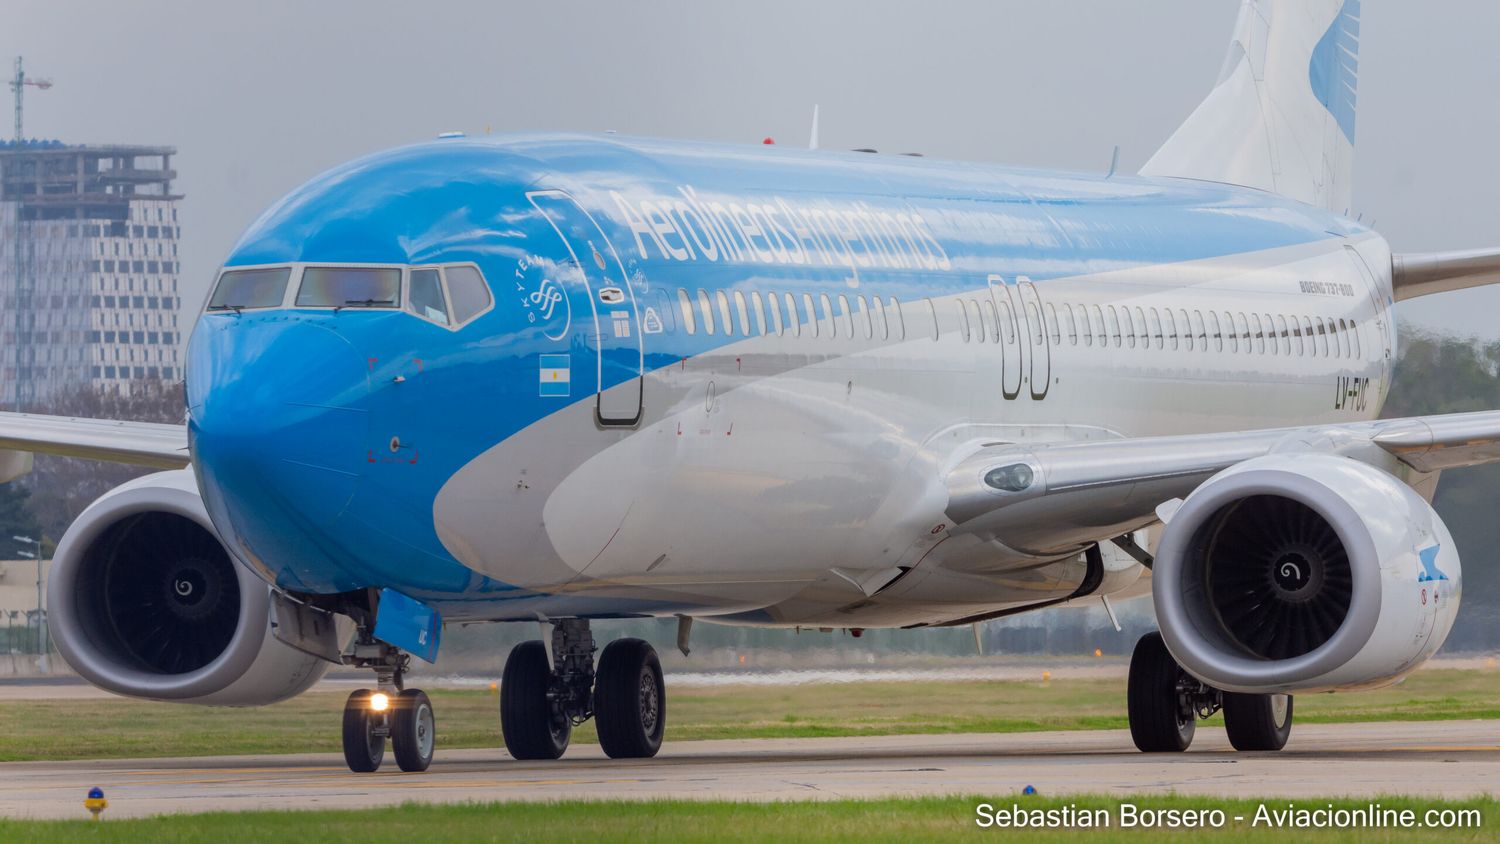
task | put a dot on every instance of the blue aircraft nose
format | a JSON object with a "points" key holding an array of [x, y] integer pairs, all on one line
{"points": [[277, 408]]}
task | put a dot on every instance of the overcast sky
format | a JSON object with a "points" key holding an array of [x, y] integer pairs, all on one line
{"points": [[258, 97]]}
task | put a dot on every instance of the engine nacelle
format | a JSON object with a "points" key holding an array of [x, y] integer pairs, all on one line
{"points": [[145, 601], [1304, 572]]}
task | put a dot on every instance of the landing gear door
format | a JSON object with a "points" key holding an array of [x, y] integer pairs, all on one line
{"points": [[611, 312]]}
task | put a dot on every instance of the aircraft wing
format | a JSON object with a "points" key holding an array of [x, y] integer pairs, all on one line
{"points": [[139, 443], [1099, 487]]}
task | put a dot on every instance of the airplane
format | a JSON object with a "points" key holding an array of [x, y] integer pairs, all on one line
{"points": [[552, 379]]}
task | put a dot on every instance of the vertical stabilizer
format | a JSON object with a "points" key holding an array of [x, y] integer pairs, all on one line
{"points": [[1281, 117]]}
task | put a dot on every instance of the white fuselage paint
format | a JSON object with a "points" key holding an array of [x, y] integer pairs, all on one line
{"points": [[770, 475]]}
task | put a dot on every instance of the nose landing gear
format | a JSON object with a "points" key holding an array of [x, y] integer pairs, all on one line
{"points": [[1165, 704], [390, 711], [546, 691]]}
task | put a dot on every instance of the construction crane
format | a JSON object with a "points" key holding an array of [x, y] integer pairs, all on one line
{"points": [[18, 84]]}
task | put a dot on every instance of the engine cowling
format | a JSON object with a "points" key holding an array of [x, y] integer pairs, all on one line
{"points": [[1304, 572], [145, 601]]}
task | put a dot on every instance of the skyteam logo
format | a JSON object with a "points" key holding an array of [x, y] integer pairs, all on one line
{"points": [[1334, 72], [1430, 571]]}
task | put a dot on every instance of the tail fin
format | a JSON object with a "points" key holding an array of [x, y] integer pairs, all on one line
{"points": [[1281, 117]]}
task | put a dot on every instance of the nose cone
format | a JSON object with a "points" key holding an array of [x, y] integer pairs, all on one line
{"points": [[277, 409]]}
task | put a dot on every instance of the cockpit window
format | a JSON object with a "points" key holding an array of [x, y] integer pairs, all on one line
{"points": [[469, 293], [350, 287], [426, 299], [259, 288]]}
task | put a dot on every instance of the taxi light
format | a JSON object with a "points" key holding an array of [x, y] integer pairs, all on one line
{"points": [[379, 702]]}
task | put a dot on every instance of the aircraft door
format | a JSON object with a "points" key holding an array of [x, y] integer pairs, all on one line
{"points": [[1012, 338], [603, 306], [1037, 336]]}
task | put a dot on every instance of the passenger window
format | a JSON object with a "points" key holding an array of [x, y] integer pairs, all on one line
{"points": [[1354, 335], [724, 317], [848, 316], [1127, 325], [792, 322], [1008, 328], [1322, 329], [1295, 337], [866, 319], [1257, 332], [1052, 327], [743, 312], [1286, 337], [880, 317], [1197, 334], [467, 293], [1113, 326], [1072, 325], [1153, 327], [706, 308], [426, 298], [685, 305], [240, 289], [932, 315], [963, 320], [830, 320], [1169, 327], [1096, 325], [1344, 338], [898, 319], [350, 287], [773, 303], [759, 307], [812, 314]]}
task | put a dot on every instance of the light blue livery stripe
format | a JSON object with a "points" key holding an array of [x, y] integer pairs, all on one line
{"points": [[1334, 70]]}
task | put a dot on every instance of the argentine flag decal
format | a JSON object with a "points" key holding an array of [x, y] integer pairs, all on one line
{"points": [[555, 378]]}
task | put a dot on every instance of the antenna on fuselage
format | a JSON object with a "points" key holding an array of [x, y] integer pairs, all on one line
{"points": [[1114, 162], [813, 142]]}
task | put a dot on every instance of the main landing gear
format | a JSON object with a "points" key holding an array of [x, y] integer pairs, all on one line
{"points": [[1165, 703], [389, 711], [547, 691]]}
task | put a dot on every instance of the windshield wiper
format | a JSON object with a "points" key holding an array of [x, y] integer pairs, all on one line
{"points": [[364, 303], [238, 309]]}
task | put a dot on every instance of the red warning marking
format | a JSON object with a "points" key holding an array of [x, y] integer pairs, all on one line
{"points": [[684, 364], [371, 457], [372, 363], [939, 529], [679, 429], [415, 453], [419, 365], [730, 432], [737, 364]]}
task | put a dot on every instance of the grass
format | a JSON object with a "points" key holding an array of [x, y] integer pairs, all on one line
{"points": [[862, 821], [97, 729]]}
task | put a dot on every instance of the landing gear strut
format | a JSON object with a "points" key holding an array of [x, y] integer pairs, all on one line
{"points": [[390, 711], [547, 691], [1165, 704]]}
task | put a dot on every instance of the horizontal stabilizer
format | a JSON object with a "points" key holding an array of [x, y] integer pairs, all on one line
{"points": [[1424, 273]]}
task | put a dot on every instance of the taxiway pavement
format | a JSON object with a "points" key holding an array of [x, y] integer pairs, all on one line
{"points": [[1432, 758]]}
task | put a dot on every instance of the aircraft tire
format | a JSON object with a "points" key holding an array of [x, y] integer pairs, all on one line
{"points": [[363, 748], [1257, 722], [531, 728], [630, 700], [413, 730], [1156, 722]]}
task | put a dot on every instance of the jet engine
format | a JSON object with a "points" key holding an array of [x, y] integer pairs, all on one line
{"points": [[145, 601], [1304, 572]]}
